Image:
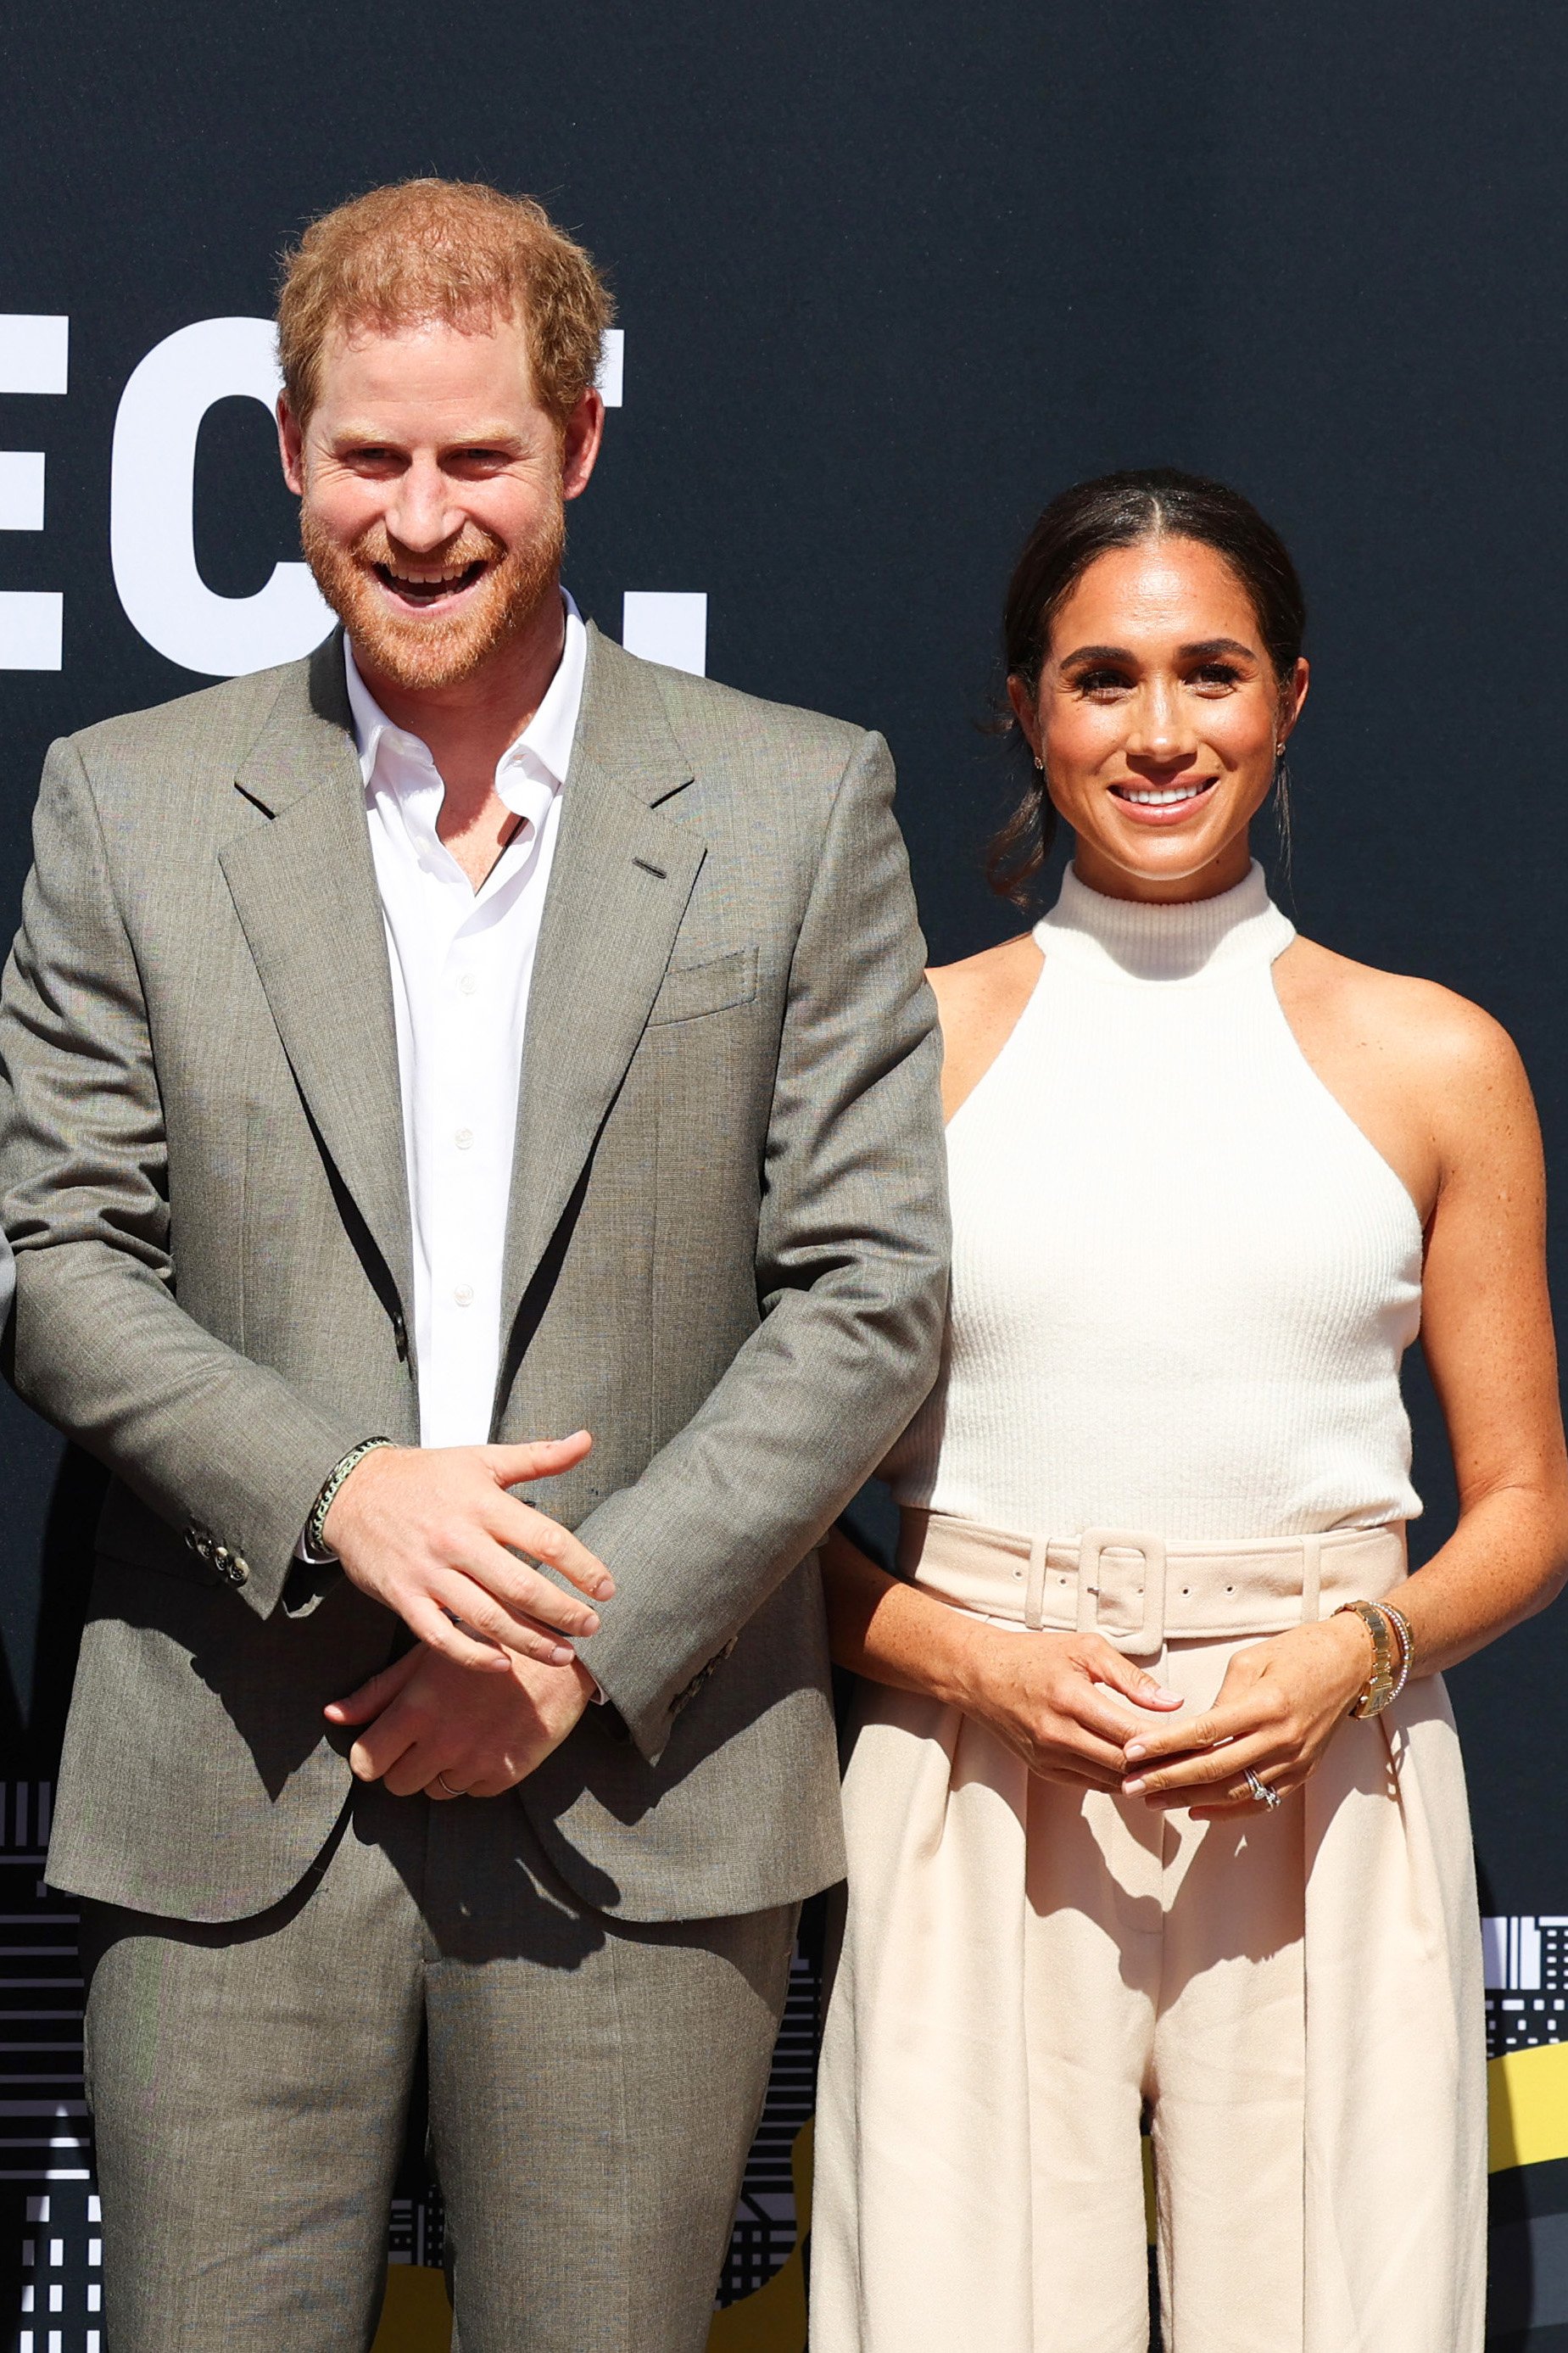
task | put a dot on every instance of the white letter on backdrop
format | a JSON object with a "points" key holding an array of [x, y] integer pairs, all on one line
{"points": [[151, 536], [34, 352]]}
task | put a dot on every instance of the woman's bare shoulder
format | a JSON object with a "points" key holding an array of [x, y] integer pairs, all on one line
{"points": [[1418, 1027], [988, 988], [979, 1002]]}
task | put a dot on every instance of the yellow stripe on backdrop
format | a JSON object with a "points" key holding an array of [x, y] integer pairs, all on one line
{"points": [[774, 2319], [1529, 2125], [1529, 2106], [416, 2316]]}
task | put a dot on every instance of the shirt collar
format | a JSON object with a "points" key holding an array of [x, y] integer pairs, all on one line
{"points": [[540, 756]]}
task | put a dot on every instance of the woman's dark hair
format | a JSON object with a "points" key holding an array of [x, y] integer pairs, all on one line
{"points": [[1118, 511]]}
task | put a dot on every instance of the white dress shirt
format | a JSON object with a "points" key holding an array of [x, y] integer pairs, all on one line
{"points": [[462, 961]]}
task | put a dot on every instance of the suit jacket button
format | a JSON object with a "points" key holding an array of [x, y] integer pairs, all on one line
{"points": [[234, 1568]]}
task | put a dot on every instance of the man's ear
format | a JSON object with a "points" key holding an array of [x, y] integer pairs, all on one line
{"points": [[290, 446], [580, 443]]}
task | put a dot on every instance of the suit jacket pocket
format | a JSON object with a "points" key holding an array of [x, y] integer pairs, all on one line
{"points": [[692, 989]]}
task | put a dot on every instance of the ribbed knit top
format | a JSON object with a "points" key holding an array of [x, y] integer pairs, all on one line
{"points": [[1183, 1278]]}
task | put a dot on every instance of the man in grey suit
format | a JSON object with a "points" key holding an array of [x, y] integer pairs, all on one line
{"points": [[467, 1036]]}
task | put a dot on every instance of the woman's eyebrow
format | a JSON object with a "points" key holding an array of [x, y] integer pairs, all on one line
{"points": [[1201, 650]]}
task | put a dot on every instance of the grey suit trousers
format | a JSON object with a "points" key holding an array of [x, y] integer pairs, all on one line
{"points": [[594, 2085]]}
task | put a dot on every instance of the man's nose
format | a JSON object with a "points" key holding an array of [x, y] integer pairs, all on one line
{"points": [[422, 516]]}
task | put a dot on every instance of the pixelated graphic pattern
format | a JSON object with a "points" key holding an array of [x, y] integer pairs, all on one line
{"points": [[765, 2234], [1526, 1960]]}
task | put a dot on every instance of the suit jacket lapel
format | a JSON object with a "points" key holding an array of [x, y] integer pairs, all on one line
{"points": [[622, 874], [305, 889]]}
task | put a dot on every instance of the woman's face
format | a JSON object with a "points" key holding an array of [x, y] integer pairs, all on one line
{"points": [[1157, 717]]}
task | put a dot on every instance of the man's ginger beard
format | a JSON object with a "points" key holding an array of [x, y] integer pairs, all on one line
{"points": [[410, 651]]}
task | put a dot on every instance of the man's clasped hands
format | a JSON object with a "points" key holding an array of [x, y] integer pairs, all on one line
{"points": [[492, 1684]]}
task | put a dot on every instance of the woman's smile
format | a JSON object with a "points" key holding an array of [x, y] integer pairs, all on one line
{"points": [[1164, 805]]}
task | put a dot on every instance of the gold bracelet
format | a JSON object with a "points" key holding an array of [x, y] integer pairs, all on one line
{"points": [[1379, 1685]]}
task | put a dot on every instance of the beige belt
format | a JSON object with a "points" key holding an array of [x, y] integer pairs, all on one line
{"points": [[1140, 1591]]}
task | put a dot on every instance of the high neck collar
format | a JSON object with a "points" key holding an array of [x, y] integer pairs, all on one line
{"points": [[1205, 939]]}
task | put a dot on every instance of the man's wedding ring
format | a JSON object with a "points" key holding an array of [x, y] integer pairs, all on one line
{"points": [[1262, 1795], [463, 1793]]}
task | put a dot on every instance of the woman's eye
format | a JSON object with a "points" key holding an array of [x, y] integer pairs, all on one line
{"points": [[1099, 681], [1216, 674]]}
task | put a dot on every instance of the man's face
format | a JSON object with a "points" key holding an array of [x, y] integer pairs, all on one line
{"points": [[432, 488]]}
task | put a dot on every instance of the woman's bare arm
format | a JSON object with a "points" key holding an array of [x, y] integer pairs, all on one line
{"points": [[979, 1001], [1488, 1337], [1044, 1695]]}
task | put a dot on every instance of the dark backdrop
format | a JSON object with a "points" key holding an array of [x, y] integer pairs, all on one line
{"points": [[888, 276]]}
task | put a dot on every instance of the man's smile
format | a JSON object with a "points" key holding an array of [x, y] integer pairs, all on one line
{"points": [[423, 589]]}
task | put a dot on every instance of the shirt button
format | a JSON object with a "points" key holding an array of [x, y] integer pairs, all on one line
{"points": [[464, 1138], [464, 1294], [469, 984]]}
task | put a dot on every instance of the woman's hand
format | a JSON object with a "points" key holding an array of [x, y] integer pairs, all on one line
{"points": [[1278, 1707], [1047, 1696]]}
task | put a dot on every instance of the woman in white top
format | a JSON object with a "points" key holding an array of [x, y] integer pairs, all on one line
{"points": [[1154, 1804]]}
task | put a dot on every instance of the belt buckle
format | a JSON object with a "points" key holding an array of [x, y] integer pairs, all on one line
{"points": [[1147, 1637]]}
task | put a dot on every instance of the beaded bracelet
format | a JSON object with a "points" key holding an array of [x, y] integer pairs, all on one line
{"points": [[315, 1540]]}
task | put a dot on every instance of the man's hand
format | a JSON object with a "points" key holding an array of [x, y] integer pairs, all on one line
{"points": [[426, 1530], [424, 1717]]}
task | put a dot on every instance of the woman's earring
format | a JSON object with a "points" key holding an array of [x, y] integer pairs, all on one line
{"points": [[1281, 796], [1039, 764]]}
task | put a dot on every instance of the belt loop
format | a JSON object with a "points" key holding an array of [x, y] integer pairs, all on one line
{"points": [[1311, 1577], [1035, 1591]]}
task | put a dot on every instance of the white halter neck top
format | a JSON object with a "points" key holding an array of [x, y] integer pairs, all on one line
{"points": [[1183, 1278]]}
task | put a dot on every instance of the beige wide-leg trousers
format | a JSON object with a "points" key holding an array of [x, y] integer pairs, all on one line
{"points": [[1295, 1998]]}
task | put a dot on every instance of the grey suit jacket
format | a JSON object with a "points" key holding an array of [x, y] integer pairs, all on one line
{"points": [[726, 1257]]}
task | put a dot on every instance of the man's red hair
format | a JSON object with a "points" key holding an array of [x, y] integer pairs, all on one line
{"points": [[450, 250]]}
